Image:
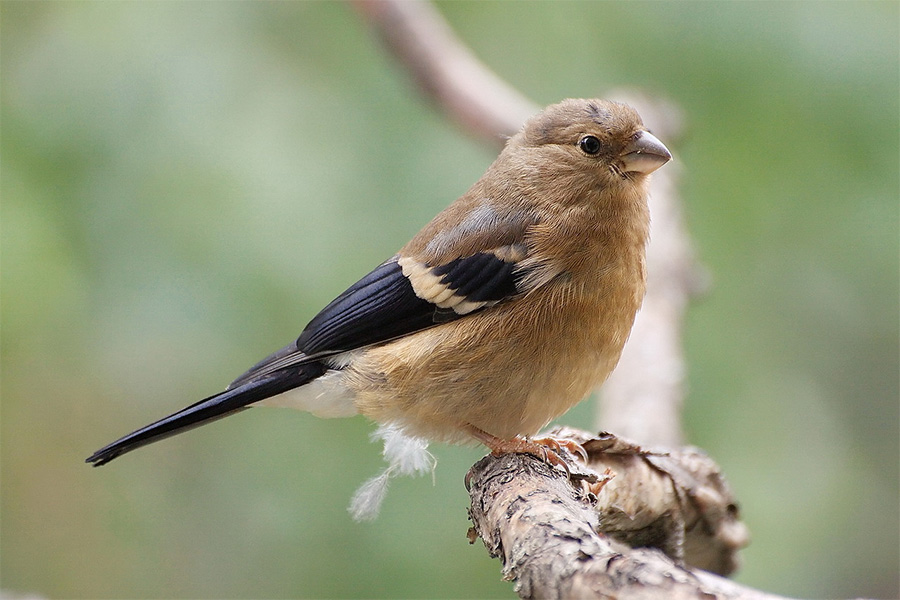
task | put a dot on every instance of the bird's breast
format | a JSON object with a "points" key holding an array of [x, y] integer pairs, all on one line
{"points": [[509, 369]]}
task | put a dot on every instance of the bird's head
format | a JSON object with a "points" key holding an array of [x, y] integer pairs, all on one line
{"points": [[597, 143]]}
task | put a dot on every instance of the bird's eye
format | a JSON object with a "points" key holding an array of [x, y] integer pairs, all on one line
{"points": [[589, 144]]}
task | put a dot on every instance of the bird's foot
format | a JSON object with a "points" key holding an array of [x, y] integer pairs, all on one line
{"points": [[557, 444], [550, 450]]}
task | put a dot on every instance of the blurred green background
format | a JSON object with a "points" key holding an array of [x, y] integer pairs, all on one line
{"points": [[185, 184]]}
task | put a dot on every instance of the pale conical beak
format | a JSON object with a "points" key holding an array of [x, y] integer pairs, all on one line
{"points": [[645, 154]]}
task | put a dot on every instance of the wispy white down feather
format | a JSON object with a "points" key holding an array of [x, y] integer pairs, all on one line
{"points": [[408, 454], [405, 455], [366, 501]]}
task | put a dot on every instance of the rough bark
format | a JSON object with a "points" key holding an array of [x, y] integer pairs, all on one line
{"points": [[545, 530]]}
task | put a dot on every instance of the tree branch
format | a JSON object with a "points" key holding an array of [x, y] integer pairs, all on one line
{"points": [[545, 531]]}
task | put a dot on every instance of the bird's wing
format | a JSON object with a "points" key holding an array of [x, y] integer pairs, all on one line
{"points": [[409, 293], [399, 297]]}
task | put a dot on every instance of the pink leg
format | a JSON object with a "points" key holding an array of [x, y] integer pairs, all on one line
{"points": [[539, 448]]}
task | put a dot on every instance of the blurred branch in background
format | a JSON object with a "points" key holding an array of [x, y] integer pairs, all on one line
{"points": [[642, 400], [644, 395], [446, 71]]}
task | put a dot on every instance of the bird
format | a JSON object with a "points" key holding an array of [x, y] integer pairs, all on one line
{"points": [[502, 313]]}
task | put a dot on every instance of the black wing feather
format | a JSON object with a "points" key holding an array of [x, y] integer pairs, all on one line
{"points": [[379, 307], [209, 409], [383, 305], [481, 277]]}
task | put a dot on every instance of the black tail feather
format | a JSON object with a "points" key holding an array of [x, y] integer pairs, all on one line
{"points": [[209, 409]]}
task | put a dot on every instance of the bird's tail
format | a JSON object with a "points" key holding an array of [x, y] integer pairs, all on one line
{"points": [[210, 409]]}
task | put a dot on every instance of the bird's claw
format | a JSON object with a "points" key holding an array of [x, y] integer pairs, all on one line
{"points": [[549, 450], [557, 444]]}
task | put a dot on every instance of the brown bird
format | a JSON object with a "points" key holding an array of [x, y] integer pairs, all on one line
{"points": [[497, 317]]}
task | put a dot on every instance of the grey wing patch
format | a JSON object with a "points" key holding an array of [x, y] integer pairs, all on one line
{"points": [[483, 228], [481, 218]]}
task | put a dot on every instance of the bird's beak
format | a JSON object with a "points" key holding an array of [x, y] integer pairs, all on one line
{"points": [[645, 154]]}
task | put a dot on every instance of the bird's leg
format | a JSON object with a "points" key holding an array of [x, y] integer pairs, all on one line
{"points": [[539, 448]]}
